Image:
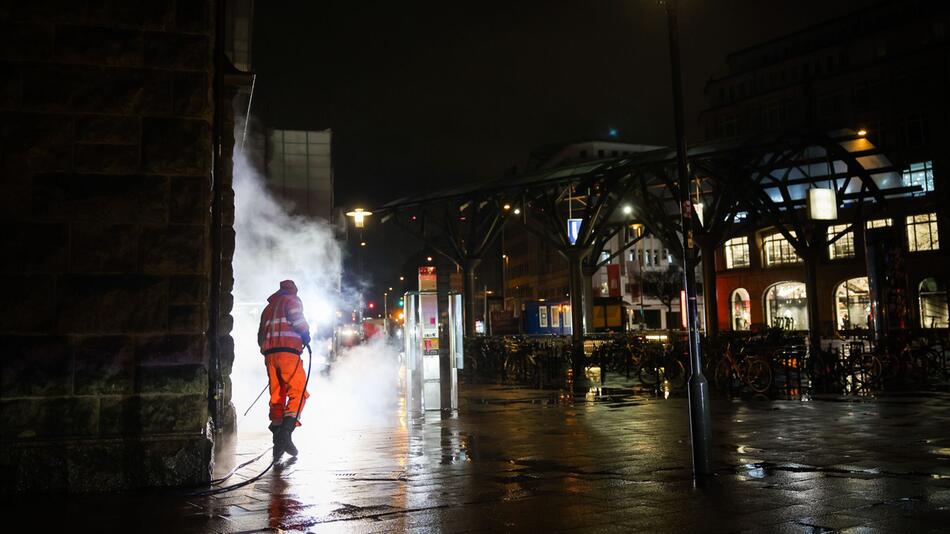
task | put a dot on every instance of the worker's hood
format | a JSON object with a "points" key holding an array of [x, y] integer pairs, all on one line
{"points": [[287, 287]]}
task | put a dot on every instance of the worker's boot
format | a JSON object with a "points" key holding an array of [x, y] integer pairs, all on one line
{"points": [[282, 438], [278, 446]]}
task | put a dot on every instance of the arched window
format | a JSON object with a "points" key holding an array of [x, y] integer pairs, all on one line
{"points": [[741, 307], [933, 304], [786, 306], [852, 304]]}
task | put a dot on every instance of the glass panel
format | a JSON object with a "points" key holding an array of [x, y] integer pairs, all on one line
{"points": [[919, 174], [737, 253], [922, 232], [853, 304], [295, 148], [786, 306], [879, 223], [843, 247], [779, 251], [933, 304], [293, 136], [741, 310]]}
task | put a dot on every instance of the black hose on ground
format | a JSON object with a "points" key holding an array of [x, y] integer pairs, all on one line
{"points": [[255, 478]]}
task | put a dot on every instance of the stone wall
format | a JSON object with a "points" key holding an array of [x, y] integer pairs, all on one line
{"points": [[106, 120]]}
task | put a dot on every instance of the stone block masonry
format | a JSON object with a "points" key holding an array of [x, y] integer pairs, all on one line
{"points": [[106, 121]]}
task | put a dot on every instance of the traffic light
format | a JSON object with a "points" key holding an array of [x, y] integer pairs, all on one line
{"points": [[371, 305], [401, 302]]}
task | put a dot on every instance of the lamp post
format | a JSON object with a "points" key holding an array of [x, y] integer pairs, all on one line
{"points": [[699, 420], [822, 208], [359, 216]]}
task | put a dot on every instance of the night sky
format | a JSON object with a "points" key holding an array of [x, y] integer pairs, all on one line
{"points": [[421, 93]]}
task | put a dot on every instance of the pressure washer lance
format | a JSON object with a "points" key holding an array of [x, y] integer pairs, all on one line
{"points": [[273, 462]]}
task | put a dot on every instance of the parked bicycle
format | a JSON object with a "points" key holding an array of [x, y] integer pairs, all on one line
{"points": [[755, 372], [661, 362]]}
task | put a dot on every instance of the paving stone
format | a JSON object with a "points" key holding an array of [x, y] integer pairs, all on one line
{"points": [[509, 463]]}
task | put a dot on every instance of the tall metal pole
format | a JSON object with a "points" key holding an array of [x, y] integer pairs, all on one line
{"points": [[699, 420]]}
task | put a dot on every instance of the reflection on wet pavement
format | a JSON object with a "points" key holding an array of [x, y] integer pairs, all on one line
{"points": [[610, 460]]}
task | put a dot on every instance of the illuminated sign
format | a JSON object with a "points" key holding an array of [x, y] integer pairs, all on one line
{"points": [[573, 229]]}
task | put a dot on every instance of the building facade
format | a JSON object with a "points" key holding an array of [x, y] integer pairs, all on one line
{"points": [[882, 72], [116, 291], [300, 170]]}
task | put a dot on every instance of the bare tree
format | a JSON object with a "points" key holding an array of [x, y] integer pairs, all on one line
{"points": [[664, 286]]}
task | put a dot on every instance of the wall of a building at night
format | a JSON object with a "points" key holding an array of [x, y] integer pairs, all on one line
{"points": [[107, 121], [884, 69], [300, 170]]}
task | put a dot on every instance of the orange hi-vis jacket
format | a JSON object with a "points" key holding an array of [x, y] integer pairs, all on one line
{"points": [[282, 322]]}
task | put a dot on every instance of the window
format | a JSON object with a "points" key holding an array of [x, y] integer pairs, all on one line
{"points": [[741, 310], [853, 304], [298, 166], [933, 304], [737, 253], [778, 251], [921, 174], [922, 232], [842, 247], [879, 223], [786, 306]]}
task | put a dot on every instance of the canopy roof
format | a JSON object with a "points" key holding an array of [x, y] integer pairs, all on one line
{"points": [[798, 160]]}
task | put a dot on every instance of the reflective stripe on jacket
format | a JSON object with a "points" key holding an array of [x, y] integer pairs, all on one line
{"points": [[282, 322]]}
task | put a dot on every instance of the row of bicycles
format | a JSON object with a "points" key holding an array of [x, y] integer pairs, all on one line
{"points": [[750, 362], [531, 360], [901, 361], [758, 363]]}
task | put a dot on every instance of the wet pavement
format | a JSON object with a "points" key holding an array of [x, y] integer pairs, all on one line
{"points": [[518, 460]]}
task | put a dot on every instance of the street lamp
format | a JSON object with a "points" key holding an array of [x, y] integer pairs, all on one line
{"points": [[628, 209], [698, 390], [359, 216]]}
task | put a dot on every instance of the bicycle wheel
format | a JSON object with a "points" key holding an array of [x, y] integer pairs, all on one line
{"points": [[675, 373], [723, 375], [648, 373], [512, 369], [635, 362], [758, 375], [867, 370]]}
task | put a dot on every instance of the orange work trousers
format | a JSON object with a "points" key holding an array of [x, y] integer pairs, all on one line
{"points": [[286, 377]]}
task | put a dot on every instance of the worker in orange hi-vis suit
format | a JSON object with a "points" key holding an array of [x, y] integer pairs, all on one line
{"points": [[283, 334]]}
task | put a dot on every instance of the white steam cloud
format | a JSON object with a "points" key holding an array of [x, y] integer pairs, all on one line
{"points": [[272, 245]]}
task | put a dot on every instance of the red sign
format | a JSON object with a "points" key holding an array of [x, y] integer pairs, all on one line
{"points": [[613, 280], [427, 278]]}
